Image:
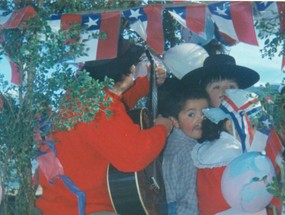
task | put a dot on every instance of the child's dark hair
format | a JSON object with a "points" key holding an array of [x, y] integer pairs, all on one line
{"points": [[215, 47], [222, 76], [177, 99], [113, 70], [211, 130]]}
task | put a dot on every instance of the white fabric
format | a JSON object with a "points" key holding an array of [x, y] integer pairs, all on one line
{"points": [[216, 153], [259, 142], [215, 114]]}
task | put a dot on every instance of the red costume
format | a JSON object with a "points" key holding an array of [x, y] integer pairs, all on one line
{"points": [[211, 159], [86, 151]]}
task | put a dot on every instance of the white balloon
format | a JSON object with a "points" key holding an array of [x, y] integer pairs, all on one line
{"points": [[184, 58], [244, 182]]}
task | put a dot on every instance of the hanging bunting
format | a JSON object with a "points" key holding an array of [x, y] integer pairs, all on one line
{"points": [[4, 17], [18, 17], [230, 22], [54, 22], [147, 23], [11, 21], [198, 26], [98, 49], [235, 20], [191, 17]]}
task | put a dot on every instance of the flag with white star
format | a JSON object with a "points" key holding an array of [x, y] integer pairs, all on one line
{"points": [[192, 17], [96, 48], [54, 22], [198, 26], [147, 23], [234, 21]]}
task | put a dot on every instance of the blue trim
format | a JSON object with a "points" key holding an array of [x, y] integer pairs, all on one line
{"points": [[171, 208], [69, 184], [51, 146], [76, 191]]}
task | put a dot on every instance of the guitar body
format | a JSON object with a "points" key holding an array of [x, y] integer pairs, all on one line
{"points": [[142, 192]]}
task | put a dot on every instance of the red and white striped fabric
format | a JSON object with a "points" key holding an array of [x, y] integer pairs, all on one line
{"points": [[274, 149], [18, 16]]}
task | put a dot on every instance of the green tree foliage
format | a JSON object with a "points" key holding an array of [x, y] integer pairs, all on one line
{"points": [[274, 45], [43, 95], [37, 106], [269, 31]]}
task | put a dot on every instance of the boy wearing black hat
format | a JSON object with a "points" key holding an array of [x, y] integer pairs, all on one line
{"points": [[85, 151]]}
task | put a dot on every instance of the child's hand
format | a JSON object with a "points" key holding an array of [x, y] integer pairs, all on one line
{"points": [[164, 121], [160, 73]]}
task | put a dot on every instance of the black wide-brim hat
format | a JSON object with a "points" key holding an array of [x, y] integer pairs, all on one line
{"points": [[128, 55], [217, 67]]}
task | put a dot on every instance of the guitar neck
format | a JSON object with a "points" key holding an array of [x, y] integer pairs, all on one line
{"points": [[153, 98]]}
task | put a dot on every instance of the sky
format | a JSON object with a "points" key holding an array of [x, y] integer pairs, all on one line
{"points": [[244, 54], [250, 56], [5, 68]]}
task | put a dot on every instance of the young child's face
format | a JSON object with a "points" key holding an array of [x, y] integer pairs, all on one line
{"points": [[216, 90], [191, 116]]}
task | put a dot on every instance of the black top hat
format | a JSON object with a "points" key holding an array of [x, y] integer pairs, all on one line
{"points": [[128, 54], [220, 66]]}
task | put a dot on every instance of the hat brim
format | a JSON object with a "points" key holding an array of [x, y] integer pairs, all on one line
{"points": [[131, 56], [245, 77], [111, 67]]}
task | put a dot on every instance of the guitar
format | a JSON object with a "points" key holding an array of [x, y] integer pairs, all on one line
{"points": [[142, 192]]}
